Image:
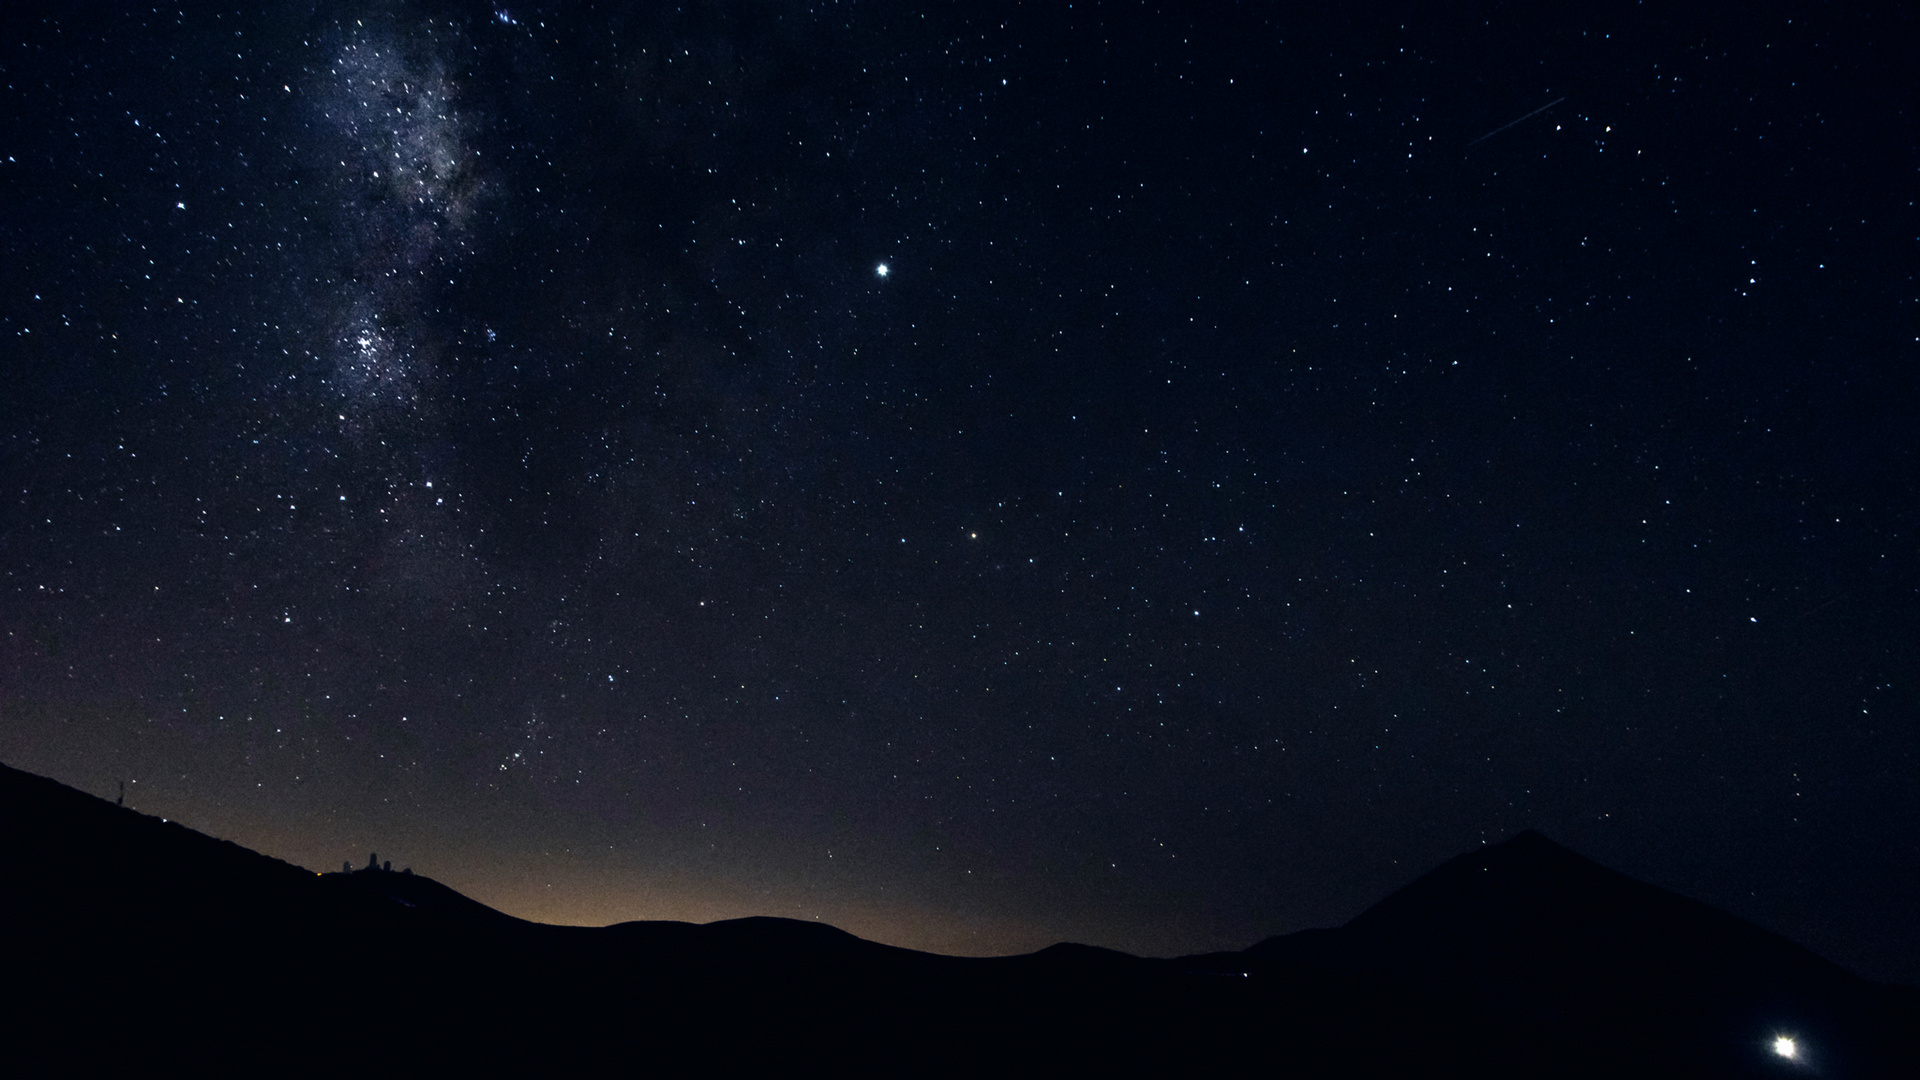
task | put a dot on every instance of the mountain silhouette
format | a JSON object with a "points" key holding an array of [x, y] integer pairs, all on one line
{"points": [[1529, 936], [131, 940]]}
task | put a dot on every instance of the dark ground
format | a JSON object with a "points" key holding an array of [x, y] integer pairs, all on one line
{"points": [[141, 940]]}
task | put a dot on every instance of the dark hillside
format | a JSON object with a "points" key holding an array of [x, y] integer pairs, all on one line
{"points": [[131, 937]]}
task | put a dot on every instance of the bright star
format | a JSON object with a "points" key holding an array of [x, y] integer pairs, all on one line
{"points": [[1784, 1046], [881, 270]]}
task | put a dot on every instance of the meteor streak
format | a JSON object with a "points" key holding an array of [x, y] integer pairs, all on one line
{"points": [[1504, 127]]}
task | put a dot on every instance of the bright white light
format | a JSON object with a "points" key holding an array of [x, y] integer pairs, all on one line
{"points": [[1784, 1046], [881, 270]]}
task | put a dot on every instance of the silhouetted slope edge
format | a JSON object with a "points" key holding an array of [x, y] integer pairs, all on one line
{"points": [[129, 937], [1527, 933]]}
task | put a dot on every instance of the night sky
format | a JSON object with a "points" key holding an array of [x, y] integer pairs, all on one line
{"points": [[980, 475]]}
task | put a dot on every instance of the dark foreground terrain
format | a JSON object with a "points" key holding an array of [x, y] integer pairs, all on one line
{"points": [[133, 945]]}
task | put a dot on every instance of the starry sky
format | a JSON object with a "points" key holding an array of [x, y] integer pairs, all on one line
{"points": [[980, 475]]}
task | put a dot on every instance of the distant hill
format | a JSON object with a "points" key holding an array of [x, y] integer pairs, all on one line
{"points": [[133, 941], [1530, 937]]}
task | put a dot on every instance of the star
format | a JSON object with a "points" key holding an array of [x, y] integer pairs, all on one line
{"points": [[880, 270]]}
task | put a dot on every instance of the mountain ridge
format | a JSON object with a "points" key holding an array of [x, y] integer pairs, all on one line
{"points": [[1513, 958]]}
